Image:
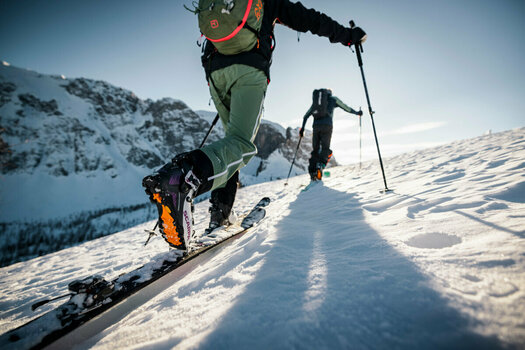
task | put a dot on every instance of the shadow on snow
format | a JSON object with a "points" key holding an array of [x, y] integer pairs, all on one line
{"points": [[335, 283]]}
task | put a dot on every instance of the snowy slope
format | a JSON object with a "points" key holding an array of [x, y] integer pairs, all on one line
{"points": [[437, 263]]}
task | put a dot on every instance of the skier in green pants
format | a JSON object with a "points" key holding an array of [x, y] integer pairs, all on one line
{"points": [[237, 66]]}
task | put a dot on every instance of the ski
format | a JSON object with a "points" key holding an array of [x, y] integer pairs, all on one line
{"points": [[94, 296], [310, 185]]}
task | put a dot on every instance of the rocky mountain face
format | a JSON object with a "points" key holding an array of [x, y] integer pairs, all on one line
{"points": [[78, 148], [90, 127]]}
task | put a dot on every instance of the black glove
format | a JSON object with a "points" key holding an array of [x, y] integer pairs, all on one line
{"points": [[301, 132], [150, 183], [356, 36], [360, 113]]}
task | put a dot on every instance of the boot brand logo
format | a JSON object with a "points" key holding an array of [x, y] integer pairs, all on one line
{"points": [[188, 224], [214, 24]]}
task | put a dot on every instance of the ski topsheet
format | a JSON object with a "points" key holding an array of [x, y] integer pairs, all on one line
{"points": [[93, 296]]}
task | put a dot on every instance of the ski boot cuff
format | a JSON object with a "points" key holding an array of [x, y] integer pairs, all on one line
{"points": [[201, 166]]}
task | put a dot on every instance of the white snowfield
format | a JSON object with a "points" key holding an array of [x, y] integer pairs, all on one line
{"points": [[439, 262]]}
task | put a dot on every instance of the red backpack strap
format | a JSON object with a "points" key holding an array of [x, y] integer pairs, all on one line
{"points": [[241, 25]]}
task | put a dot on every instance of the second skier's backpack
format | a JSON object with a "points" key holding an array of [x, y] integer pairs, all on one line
{"points": [[231, 25], [320, 103]]}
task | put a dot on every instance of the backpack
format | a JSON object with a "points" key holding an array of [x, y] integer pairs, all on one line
{"points": [[231, 25], [320, 102]]}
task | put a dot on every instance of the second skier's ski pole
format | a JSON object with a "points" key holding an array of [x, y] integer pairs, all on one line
{"points": [[358, 50], [293, 161]]}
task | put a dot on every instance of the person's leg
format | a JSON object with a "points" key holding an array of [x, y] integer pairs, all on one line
{"points": [[221, 201], [325, 139], [226, 195], [314, 158], [242, 89]]}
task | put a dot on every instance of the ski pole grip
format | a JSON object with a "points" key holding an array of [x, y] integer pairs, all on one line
{"points": [[358, 46]]}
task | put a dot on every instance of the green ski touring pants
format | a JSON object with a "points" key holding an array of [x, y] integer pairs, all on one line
{"points": [[238, 93]]}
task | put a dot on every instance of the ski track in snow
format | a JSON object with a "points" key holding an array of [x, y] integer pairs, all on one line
{"points": [[438, 262]]}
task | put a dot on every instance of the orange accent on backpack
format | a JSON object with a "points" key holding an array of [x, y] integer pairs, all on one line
{"points": [[257, 10]]}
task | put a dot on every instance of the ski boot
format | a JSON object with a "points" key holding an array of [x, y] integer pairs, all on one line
{"points": [[219, 216], [319, 171], [172, 189], [316, 176]]}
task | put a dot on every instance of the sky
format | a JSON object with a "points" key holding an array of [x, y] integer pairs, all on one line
{"points": [[436, 71]]}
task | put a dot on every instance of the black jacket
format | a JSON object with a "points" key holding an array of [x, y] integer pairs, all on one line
{"points": [[327, 119], [293, 15]]}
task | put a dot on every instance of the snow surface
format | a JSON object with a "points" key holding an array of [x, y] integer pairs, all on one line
{"points": [[439, 262]]}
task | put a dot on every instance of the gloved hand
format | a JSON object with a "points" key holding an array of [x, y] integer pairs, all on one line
{"points": [[150, 184], [356, 36], [301, 132], [360, 113]]}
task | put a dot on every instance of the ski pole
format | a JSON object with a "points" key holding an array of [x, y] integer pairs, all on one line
{"points": [[209, 131], [151, 233], [358, 50], [293, 161], [360, 152]]}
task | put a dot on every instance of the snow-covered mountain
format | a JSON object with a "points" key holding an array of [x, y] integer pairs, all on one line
{"points": [[74, 152], [438, 263]]}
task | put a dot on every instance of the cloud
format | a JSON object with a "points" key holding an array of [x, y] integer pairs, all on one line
{"points": [[348, 154], [415, 128]]}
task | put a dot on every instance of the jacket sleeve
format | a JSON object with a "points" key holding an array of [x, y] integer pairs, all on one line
{"points": [[340, 104], [302, 19], [306, 116]]}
